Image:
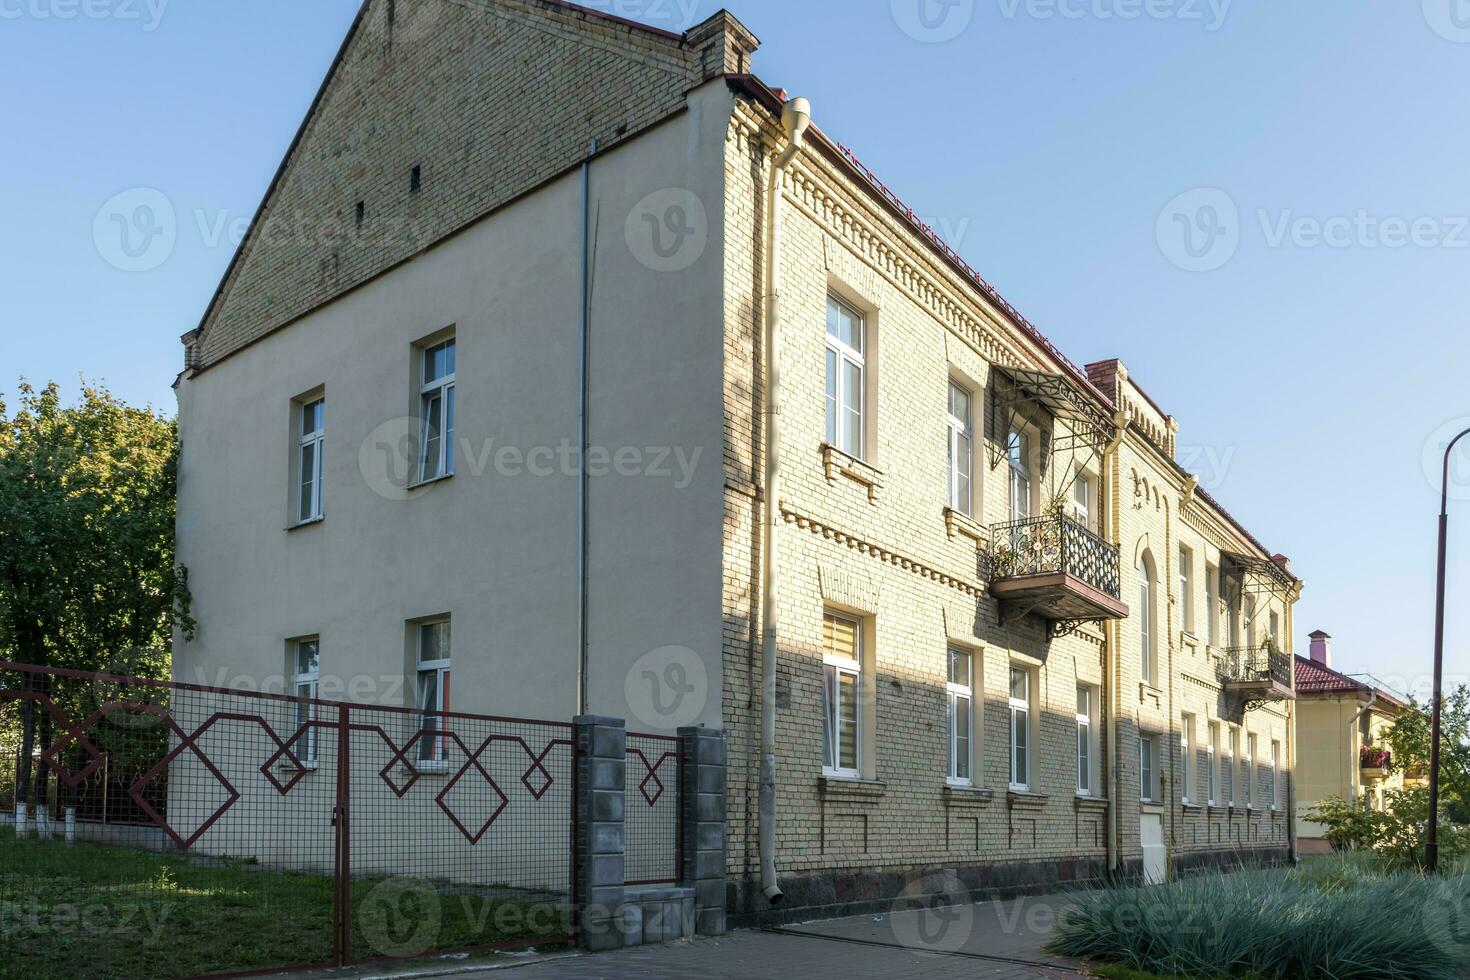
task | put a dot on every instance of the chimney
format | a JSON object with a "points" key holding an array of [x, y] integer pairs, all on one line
{"points": [[1322, 648]]}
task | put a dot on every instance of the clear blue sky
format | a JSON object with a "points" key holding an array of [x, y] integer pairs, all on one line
{"points": [[1046, 138]]}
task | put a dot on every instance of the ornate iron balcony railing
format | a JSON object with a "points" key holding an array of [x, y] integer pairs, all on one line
{"points": [[1258, 663], [1052, 545]]}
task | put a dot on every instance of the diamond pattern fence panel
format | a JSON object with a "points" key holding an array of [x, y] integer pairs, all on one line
{"points": [[651, 810], [175, 830]]}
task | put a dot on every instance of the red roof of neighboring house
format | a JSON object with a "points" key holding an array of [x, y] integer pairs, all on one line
{"points": [[1314, 678]]}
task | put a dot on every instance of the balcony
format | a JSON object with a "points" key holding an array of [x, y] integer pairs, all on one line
{"points": [[1375, 763], [1258, 674], [1057, 569]]}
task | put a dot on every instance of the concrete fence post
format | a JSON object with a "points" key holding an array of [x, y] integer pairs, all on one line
{"points": [[702, 825], [597, 858]]}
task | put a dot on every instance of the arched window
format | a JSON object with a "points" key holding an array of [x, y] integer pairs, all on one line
{"points": [[1147, 622]]}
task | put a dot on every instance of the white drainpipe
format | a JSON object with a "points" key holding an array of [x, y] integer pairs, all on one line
{"points": [[1113, 682], [1353, 727], [796, 116]]}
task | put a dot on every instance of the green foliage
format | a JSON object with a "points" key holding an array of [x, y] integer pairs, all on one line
{"points": [[1408, 738], [1341, 922], [1396, 834], [87, 573]]}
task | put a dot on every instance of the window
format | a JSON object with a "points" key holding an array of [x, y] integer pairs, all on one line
{"points": [[1275, 628], [1082, 500], [1275, 768], [1227, 767], [313, 416], [306, 680], [1250, 770], [1147, 769], [1018, 453], [1186, 759], [1212, 752], [1086, 754], [961, 714], [1146, 620], [1020, 728], [436, 412], [1186, 587], [961, 442], [1233, 623], [845, 370], [841, 673], [433, 688], [1212, 605]]}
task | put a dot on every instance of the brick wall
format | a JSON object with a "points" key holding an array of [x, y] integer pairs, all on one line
{"points": [[488, 98], [878, 546]]}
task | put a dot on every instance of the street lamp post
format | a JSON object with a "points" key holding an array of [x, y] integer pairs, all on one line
{"points": [[1431, 850]]}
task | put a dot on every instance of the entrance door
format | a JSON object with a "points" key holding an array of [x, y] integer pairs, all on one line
{"points": [[1155, 855]]}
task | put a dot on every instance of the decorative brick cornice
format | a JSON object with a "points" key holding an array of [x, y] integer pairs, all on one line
{"points": [[881, 552]]}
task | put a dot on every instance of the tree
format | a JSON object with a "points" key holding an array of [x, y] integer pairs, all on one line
{"points": [[88, 578], [1408, 740]]}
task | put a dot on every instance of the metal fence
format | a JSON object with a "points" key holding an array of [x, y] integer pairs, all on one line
{"points": [[235, 831], [651, 810]]}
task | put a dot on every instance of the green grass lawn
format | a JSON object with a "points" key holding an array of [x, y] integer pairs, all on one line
{"points": [[97, 911]]}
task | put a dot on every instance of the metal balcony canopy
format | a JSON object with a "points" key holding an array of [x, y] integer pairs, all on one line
{"points": [[1258, 576], [1091, 428]]}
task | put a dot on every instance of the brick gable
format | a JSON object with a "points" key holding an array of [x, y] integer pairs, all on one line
{"points": [[487, 98]]}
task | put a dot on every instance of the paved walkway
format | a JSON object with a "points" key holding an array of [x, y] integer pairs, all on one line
{"points": [[986, 941]]}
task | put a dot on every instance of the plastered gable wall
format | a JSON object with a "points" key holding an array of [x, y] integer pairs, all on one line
{"points": [[493, 547], [489, 99], [873, 542]]}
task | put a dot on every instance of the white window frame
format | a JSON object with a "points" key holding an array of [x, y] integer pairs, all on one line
{"points": [[961, 449], [309, 502], [1022, 749], [1186, 758], [431, 747], [1212, 755], [960, 695], [1186, 587], [834, 668], [1146, 623], [1250, 771], [441, 388], [1148, 765], [836, 395], [1227, 764], [1018, 459], [1275, 771], [1082, 500], [1275, 629], [1086, 741], [1212, 605], [306, 683]]}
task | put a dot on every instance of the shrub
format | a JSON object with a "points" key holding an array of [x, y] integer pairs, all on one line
{"points": [[1334, 923], [1396, 834]]}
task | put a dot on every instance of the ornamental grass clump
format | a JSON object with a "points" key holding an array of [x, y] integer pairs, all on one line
{"points": [[1329, 923]]}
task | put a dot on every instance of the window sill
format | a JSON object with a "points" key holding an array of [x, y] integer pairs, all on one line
{"points": [[1083, 801], [311, 523], [1024, 799], [290, 770], [851, 789], [838, 463], [956, 524], [426, 769], [972, 797], [1151, 806], [428, 483], [1189, 807]]}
